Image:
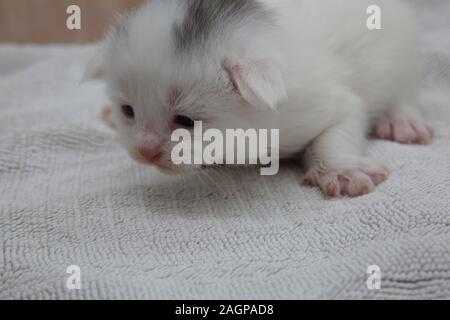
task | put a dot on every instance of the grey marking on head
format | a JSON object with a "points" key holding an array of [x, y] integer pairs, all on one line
{"points": [[206, 18]]}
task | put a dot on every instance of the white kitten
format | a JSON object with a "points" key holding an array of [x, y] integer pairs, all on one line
{"points": [[309, 68]]}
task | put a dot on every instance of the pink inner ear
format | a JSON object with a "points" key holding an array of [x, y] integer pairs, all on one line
{"points": [[239, 75], [259, 82], [232, 72]]}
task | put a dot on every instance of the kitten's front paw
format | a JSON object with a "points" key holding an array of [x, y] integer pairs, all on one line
{"points": [[406, 131], [354, 181]]}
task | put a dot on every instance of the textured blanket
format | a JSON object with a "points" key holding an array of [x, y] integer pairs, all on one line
{"points": [[72, 201]]}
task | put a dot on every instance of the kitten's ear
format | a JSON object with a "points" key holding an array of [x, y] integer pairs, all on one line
{"points": [[260, 82], [95, 70]]}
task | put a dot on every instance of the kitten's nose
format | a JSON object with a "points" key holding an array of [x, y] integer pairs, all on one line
{"points": [[151, 155]]}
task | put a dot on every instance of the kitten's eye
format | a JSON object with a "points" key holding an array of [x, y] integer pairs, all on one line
{"points": [[128, 111], [184, 121]]}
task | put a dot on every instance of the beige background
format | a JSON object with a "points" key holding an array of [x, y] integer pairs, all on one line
{"points": [[44, 21]]}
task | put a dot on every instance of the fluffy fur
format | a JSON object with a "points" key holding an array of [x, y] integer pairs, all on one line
{"points": [[309, 68]]}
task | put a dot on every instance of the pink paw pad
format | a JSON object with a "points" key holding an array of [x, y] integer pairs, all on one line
{"points": [[352, 182], [404, 131]]}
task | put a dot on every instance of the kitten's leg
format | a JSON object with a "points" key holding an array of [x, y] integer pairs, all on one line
{"points": [[335, 161], [404, 124]]}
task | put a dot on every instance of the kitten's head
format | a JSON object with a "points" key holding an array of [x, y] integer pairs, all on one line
{"points": [[159, 82]]}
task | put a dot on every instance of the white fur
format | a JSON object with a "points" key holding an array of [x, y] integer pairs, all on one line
{"points": [[325, 73]]}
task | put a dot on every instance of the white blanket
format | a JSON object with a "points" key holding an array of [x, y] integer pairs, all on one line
{"points": [[69, 195]]}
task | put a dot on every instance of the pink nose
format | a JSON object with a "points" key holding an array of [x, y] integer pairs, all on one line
{"points": [[151, 155]]}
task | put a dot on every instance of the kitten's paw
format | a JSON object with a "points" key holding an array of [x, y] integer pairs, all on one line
{"points": [[405, 131], [106, 115], [354, 182]]}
